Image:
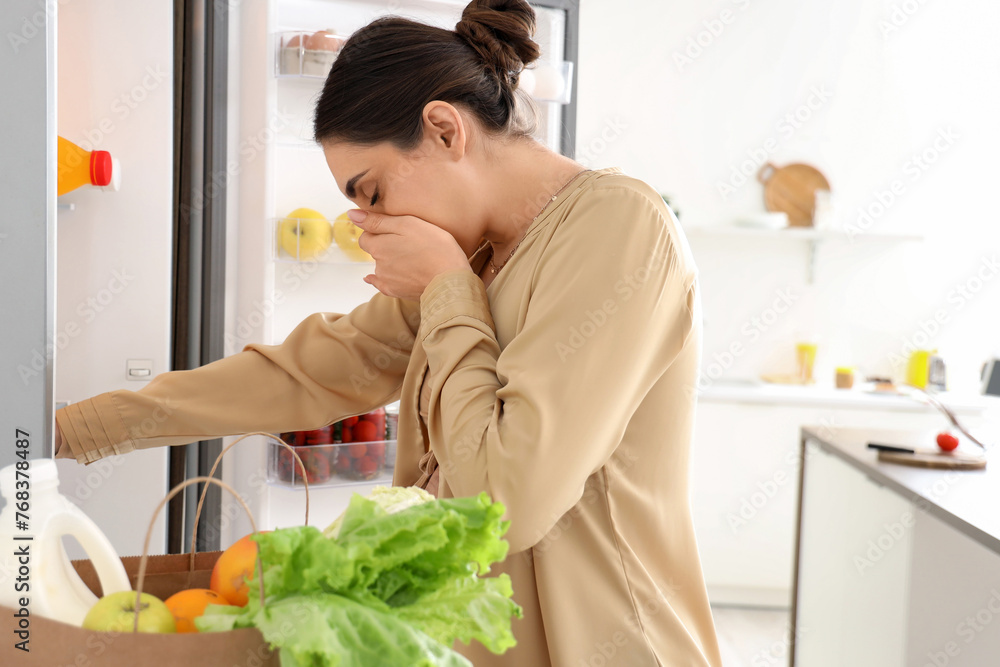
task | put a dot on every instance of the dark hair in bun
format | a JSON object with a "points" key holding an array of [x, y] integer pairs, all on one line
{"points": [[501, 33], [390, 69]]}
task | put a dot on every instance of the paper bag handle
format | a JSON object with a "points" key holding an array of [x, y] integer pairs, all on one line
{"points": [[149, 534], [211, 473]]}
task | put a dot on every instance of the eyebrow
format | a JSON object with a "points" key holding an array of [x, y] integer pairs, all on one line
{"points": [[349, 188]]}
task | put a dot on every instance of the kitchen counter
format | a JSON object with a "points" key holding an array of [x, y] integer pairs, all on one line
{"points": [[779, 394], [967, 500], [894, 565], [745, 469]]}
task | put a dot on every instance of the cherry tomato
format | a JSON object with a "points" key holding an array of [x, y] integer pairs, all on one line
{"points": [[320, 436], [376, 417], [350, 421], [365, 432], [356, 451], [947, 442], [376, 449], [346, 435]]}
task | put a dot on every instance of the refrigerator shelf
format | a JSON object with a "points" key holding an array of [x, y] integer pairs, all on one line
{"points": [[547, 81], [332, 465], [316, 241], [307, 55]]}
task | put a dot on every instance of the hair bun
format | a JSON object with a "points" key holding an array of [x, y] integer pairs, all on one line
{"points": [[501, 32]]}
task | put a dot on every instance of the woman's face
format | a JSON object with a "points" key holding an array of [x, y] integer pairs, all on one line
{"points": [[429, 182]]}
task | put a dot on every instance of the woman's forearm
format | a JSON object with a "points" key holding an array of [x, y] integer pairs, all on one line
{"points": [[329, 367]]}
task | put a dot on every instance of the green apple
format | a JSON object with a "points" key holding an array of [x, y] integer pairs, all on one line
{"points": [[305, 233], [116, 613]]}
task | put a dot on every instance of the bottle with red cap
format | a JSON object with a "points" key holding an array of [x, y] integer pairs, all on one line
{"points": [[78, 167]]}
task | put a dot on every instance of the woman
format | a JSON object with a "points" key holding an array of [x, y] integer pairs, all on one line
{"points": [[539, 323]]}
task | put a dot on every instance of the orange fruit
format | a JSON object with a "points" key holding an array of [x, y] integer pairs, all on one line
{"points": [[189, 604], [234, 567]]}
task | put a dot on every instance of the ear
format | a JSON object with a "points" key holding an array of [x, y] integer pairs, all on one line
{"points": [[444, 129]]}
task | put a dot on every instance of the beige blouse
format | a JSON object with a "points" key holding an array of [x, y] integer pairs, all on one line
{"points": [[566, 390]]}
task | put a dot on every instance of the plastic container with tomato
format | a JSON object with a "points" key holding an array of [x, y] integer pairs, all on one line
{"points": [[350, 451]]}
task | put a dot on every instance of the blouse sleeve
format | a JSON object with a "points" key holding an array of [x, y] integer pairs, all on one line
{"points": [[330, 366], [611, 307]]}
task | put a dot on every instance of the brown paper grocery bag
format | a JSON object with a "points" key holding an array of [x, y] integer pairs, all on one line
{"points": [[54, 644]]}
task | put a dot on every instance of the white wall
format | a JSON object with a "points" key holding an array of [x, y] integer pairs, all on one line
{"points": [[889, 83]]}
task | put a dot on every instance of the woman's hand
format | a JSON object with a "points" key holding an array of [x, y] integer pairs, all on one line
{"points": [[408, 252]]}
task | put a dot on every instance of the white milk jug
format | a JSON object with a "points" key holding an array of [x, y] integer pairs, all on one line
{"points": [[34, 566]]}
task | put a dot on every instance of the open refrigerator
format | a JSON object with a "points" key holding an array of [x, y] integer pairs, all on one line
{"points": [[105, 74], [278, 61]]}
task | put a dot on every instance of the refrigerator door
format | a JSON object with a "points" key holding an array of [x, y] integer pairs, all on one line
{"points": [[27, 229], [115, 79]]}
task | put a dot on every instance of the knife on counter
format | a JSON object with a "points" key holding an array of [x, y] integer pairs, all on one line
{"points": [[891, 448]]}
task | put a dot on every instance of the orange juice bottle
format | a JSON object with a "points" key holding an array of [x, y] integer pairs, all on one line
{"points": [[78, 167]]}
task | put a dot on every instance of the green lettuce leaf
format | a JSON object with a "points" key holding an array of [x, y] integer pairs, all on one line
{"points": [[393, 588], [332, 630], [466, 609]]}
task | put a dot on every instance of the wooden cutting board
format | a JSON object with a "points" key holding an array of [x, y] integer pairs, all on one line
{"points": [[792, 189], [927, 458]]}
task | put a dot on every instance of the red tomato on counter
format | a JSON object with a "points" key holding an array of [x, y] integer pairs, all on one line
{"points": [[947, 442]]}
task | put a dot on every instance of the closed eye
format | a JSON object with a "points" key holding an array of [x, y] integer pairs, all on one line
{"points": [[375, 197]]}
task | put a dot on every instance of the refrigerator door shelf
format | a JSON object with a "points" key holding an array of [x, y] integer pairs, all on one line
{"points": [[305, 54], [341, 464]]}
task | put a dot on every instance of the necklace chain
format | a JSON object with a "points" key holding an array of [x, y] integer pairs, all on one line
{"points": [[493, 267]]}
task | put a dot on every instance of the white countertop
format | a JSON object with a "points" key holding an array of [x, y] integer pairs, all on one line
{"points": [[848, 399], [966, 500]]}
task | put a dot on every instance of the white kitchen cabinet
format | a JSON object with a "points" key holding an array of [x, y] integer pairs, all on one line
{"points": [[744, 476], [897, 565]]}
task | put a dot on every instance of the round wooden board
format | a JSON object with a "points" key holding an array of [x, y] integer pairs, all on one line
{"points": [[792, 189]]}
